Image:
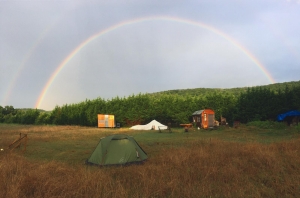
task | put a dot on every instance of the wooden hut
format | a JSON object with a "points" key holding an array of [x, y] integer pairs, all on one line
{"points": [[204, 118], [106, 121]]}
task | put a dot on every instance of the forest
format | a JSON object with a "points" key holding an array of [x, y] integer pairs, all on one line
{"points": [[260, 103]]}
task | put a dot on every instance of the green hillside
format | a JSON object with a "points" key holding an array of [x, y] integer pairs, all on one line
{"points": [[231, 91], [246, 104]]}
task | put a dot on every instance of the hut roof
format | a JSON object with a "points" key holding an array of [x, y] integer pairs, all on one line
{"points": [[198, 112]]}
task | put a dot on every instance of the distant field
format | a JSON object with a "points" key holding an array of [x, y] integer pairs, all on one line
{"points": [[227, 162]]}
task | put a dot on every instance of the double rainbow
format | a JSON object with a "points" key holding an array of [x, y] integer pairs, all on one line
{"points": [[141, 20]]}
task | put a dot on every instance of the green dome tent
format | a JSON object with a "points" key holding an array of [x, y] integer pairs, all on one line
{"points": [[117, 150]]}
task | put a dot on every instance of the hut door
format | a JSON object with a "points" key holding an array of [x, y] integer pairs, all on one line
{"points": [[106, 121], [211, 120], [204, 121]]}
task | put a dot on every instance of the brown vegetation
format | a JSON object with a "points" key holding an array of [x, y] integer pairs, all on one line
{"points": [[199, 168]]}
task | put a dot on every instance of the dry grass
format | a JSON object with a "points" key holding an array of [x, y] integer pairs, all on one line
{"points": [[199, 168]]}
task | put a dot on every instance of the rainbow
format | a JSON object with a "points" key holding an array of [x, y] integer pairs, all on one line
{"points": [[26, 58], [12, 83], [140, 20]]}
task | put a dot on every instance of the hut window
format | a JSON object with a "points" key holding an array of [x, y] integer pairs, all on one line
{"points": [[205, 117]]}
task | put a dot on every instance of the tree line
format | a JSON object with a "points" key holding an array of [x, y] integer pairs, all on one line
{"points": [[251, 104]]}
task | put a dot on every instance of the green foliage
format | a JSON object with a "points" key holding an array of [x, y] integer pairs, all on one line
{"points": [[298, 127], [247, 105], [43, 118], [267, 124], [9, 118], [8, 110], [27, 117]]}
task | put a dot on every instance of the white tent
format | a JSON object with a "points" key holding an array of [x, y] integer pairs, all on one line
{"points": [[151, 125]]}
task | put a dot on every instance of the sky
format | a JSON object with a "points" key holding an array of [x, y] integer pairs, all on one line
{"points": [[61, 52]]}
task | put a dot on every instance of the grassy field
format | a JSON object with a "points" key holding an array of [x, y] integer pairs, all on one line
{"points": [[245, 162]]}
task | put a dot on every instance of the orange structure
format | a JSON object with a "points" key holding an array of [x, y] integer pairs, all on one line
{"points": [[106, 120], [204, 118]]}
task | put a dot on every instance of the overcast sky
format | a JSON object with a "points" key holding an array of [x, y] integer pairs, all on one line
{"points": [[119, 48]]}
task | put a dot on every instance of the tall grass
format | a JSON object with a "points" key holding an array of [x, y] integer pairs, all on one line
{"points": [[194, 164], [201, 168]]}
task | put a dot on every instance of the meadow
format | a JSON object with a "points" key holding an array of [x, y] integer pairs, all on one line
{"points": [[247, 161]]}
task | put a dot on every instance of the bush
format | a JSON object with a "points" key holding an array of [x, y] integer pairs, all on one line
{"points": [[43, 118], [267, 124], [298, 127], [9, 118]]}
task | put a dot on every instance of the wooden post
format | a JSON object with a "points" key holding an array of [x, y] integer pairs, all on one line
{"points": [[236, 124], [25, 143], [159, 129], [17, 143]]}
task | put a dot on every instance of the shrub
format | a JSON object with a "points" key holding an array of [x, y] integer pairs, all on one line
{"points": [[267, 124], [43, 118], [298, 127]]}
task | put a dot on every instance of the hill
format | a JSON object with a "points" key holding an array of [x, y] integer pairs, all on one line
{"points": [[232, 91]]}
